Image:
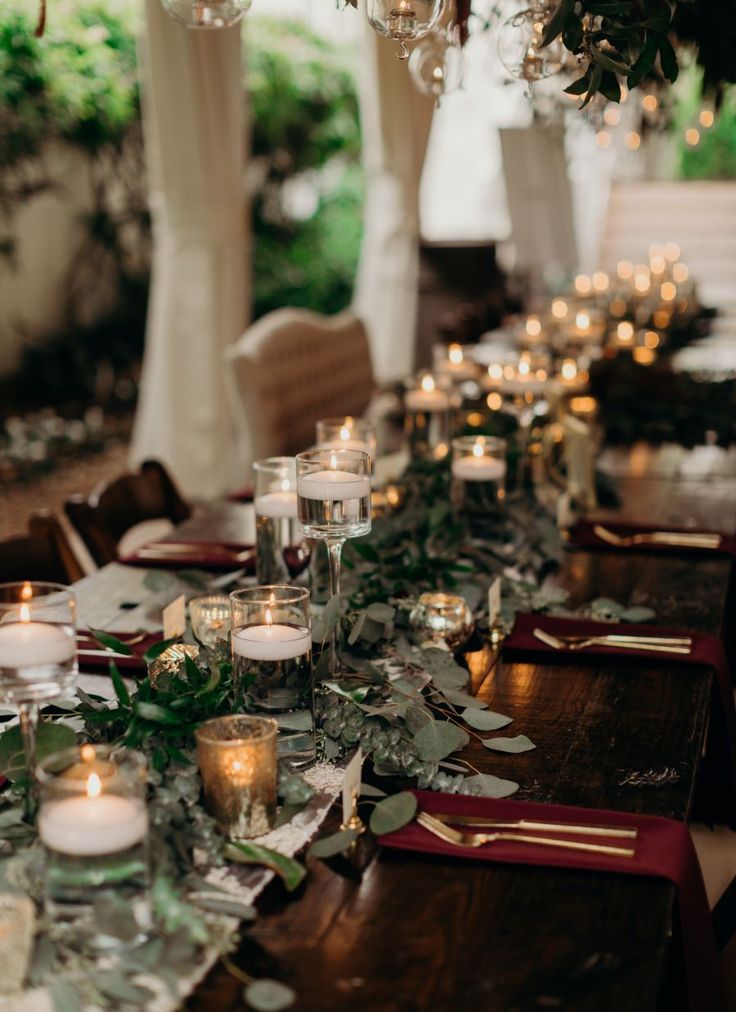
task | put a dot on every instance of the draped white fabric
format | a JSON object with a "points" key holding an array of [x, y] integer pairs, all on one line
{"points": [[194, 116], [396, 120]]}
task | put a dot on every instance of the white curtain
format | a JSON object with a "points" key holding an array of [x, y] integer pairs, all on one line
{"points": [[195, 131], [396, 121]]}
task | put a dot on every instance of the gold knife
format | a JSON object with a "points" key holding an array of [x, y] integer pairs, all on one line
{"points": [[627, 832]]}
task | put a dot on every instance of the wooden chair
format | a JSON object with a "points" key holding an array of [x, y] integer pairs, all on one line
{"points": [[294, 367], [44, 555], [114, 508]]}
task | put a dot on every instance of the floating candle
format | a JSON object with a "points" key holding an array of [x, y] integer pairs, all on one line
{"points": [[333, 485], [479, 466], [427, 397], [271, 642], [27, 644], [92, 824], [278, 505]]}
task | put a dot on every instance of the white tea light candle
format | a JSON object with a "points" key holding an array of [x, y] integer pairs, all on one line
{"points": [[478, 466], [92, 824], [280, 505], [27, 644], [271, 642], [334, 485], [427, 396]]}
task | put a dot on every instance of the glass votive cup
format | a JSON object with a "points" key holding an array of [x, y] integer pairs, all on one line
{"points": [[428, 404], [38, 644], [452, 362], [334, 493], [346, 433], [237, 761], [271, 642], [209, 616], [93, 824], [275, 507], [442, 617], [478, 476]]}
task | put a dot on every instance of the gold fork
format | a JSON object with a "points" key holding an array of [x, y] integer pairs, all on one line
{"points": [[473, 840], [605, 641], [530, 825], [674, 538]]}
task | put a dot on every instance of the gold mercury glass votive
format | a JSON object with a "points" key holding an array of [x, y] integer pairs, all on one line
{"points": [[236, 756], [170, 662], [444, 617]]}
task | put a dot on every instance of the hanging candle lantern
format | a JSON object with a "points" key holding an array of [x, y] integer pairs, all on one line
{"points": [[403, 20], [520, 45], [206, 14], [436, 65]]}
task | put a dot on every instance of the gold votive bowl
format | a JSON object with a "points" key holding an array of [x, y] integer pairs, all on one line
{"points": [[169, 663], [445, 618], [236, 756]]}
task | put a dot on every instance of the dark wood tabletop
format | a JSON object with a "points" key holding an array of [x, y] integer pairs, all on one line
{"points": [[394, 931]]}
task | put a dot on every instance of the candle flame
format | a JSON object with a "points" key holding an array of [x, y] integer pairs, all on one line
{"points": [[625, 331], [582, 320], [94, 786], [533, 326], [428, 384], [559, 309], [569, 369], [455, 354], [285, 485], [87, 753], [478, 448], [269, 616], [26, 592], [625, 269], [25, 613], [345, 433], [333, 462], [495, 371], [524, 367]]}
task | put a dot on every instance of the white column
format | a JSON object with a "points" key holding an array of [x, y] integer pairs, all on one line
{"points": [[195, 131], [396, 121]]}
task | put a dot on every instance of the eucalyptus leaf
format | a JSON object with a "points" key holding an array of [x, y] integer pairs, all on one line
{"points": [[115, 985], [64, 996], [369, 791], [417, 717], [331, 614], [380, 612], [269, 995], [459, 698], [485, 720], [299, 720], [115, 917], [638, 614], [336, 843], [513, 745], [157, 649], [50, 737], [357, 628], [156, 713], [488, 786], [392, 813], [438, 739], [290, 870], [607, 604], [157, 580], [230, 906]]}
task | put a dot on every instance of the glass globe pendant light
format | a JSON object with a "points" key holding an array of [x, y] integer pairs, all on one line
{"points": [[520, 45], [436, 65], [206, 14], [403, 20]]}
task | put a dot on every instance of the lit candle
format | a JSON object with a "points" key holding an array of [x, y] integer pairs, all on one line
{"points": [[625, 270], [479, 466], [455, 366], [582, 325], [279, 504], [26, 644], [94, 823], [583, 284], [533, 326], [427, 397], [271, 641], [333, 434], [559, 309], [333, 485], [625, 332]]}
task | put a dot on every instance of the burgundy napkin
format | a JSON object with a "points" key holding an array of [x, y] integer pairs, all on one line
{"points": [[133, 663], [244, 494], [204, 555], [663, 850], [720, 759], [583, 536]]}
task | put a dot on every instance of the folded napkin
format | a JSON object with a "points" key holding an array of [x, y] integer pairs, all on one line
{"points": [[211, 555], [244, 494], [133, 663], [719, 767], [582, 535], [663, 850]]}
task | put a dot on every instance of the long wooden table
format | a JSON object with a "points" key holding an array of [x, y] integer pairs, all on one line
{"points": [[418, 932]]}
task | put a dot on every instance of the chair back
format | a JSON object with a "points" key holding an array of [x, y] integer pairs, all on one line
{"points": [[44, 554], [115, 507], [294, 367]]}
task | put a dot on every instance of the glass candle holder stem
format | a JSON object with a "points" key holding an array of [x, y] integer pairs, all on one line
{"points": [[334, 554]]}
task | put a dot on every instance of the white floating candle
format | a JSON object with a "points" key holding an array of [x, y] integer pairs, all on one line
{"points": [[33, 644], [479, 467], [88, 826], [333, 485], [427, 397], [277, 505], [271, 642]]}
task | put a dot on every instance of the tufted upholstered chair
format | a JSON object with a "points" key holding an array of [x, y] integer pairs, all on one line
{"points": [[293, 367]]}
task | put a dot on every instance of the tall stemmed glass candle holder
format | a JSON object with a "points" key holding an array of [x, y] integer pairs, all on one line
{"points": [[276, 517], [272, 659], [93, 823], [478, 478], [38, 650], [346, 433], [334, 499], [428, 403]]}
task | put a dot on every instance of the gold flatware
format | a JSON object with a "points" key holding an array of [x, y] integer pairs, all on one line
{"points": [[473, 840], [626, 832], [619, 638], [675, 538], [605, 641], [178, 548]]}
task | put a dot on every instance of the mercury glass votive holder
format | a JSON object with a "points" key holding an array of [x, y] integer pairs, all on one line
{"points": [[442, 617], [170, 662], [237, 761], [478, 478], [93, 824], [271, 641], [209, 616]]}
